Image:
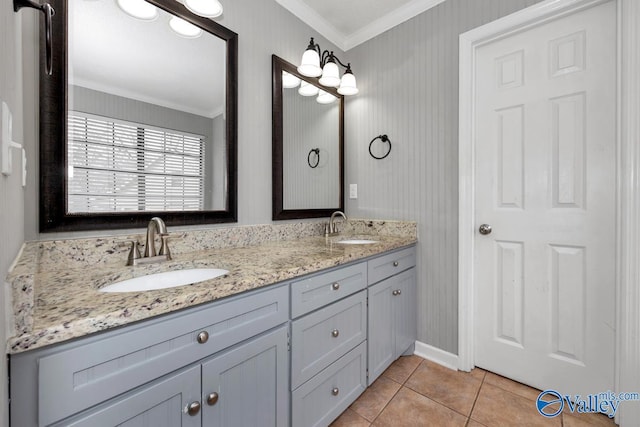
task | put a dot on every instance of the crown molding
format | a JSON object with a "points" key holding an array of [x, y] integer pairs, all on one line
{"points": [[313, 19], [388, 21], [344, 41]]}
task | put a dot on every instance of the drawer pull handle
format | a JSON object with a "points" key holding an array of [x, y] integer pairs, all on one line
{"points": [[335, 286], [212, 398], [335, 333], [396, 263], [193, 408], [203, 337], [335, 391]]}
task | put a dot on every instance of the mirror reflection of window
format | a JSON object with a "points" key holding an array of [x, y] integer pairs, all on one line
{"points": [[118, 166], [127, 70]]}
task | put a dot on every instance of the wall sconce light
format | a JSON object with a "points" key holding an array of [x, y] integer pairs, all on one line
{"points": [[324, 64]]}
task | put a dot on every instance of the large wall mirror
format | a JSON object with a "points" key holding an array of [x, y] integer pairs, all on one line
{"points": [[138, 119], [308, 134]]}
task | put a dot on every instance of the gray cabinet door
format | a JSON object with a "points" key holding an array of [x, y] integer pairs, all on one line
{"points": [[392, 320], [381, 343], [160, 404], [405, 305], [250, 383]]}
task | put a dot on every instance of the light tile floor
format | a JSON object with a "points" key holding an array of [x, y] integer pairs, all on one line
{"points": [[417, 392]]}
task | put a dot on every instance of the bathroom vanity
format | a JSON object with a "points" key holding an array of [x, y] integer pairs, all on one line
{"points": [[294, 352]]}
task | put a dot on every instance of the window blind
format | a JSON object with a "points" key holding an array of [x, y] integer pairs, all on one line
{"points": [[121, 166]]}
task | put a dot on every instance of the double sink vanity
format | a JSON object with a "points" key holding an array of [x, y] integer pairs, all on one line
{"points": [[261, 325], [291, 335]]}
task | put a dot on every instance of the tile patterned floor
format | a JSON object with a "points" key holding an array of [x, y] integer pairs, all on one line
{"points": [[417, 392]]}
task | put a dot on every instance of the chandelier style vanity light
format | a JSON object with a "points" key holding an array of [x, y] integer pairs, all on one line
{"points": [[324, 64]]}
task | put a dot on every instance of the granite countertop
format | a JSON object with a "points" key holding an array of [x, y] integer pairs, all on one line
{"points": [[55, 304]]}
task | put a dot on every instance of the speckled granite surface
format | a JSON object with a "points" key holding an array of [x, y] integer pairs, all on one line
{"points": [[54, 284]]}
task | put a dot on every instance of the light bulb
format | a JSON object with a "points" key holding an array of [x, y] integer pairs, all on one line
{"points": [[307, 89], [184, 28], [138, 9], [330, 75], [289, 80], [325, 97], [310, 64], [206, 8], [348, 84]]}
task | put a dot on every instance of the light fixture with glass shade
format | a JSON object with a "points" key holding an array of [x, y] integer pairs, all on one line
{"points": [[307, 89], [184, 28], [289, 81], [325, 97], [206, 8], [324, 64], [138, 9]]}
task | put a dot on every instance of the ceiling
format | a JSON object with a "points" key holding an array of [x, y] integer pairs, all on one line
{"points": [[348, 23]]}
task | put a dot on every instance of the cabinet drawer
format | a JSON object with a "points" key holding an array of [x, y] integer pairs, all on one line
{"points": [[81, 376], [322, 337], [387, 265], [320, 400], [322, 289]]}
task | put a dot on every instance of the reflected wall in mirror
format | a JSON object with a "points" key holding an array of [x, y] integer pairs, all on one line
{"points": [[145, 121], [307, 145]]}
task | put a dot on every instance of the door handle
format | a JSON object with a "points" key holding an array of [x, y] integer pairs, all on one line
{"points": [[485, 229]]}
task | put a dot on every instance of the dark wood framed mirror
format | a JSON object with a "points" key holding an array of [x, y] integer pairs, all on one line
{"points": [[308, 145], [118, 143]]}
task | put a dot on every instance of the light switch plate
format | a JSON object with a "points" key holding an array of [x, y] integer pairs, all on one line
{"points": [[353, 191], [6, 143]]}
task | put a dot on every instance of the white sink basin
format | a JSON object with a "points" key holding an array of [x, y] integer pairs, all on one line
{"points": [[169, 279], [357, 242]]}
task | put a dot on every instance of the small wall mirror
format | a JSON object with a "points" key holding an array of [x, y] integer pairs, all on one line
{"points": [[138, 118], [308, 123]]}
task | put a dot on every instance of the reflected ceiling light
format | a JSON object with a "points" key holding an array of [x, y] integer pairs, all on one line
{"points": [[289, 80], [138, 9], [206, 8], [325, 97], [184, 28], [307, 89], [324, 64]]}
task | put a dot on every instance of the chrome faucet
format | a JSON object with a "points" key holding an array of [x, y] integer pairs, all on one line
{"points": [[331, 230], [156, 225]]}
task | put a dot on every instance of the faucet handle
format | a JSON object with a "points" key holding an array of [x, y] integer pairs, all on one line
{"points": [[164, 245], [134, 253]]}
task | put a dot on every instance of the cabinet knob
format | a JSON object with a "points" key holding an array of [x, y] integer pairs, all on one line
{"points": [[212, 398], [193, 408], [396, 263], [335, 391], [335, 333], [203, 337], [335, 286], [396, 292]]}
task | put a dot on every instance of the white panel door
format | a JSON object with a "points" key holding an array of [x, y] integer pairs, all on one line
{"points": [[545, 180]]}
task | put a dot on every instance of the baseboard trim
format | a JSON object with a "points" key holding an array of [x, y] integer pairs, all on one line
{"points": [[436, 355]]}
